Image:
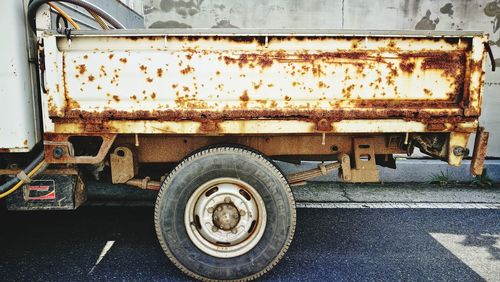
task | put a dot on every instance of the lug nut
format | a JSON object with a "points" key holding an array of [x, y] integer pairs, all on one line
{"points": [[234, 230], [215, 229], [242, 212], [227, 200], [210, 210]]}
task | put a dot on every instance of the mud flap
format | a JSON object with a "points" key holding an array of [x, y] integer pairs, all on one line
{"points": [[479, 154]]}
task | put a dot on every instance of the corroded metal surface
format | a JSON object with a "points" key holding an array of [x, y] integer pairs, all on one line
{"points": [[479, 155], [243, 84]]}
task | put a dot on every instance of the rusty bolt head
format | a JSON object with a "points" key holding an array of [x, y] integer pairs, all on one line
{"points": [[242, 212], [58, 152], [210, 210], [227, 200], [460, 151]]}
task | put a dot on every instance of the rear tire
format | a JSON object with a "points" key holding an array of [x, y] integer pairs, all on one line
{"points": [[225, 213]]}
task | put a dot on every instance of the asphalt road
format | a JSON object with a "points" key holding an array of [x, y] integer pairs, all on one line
{"points": [[330, 244]]}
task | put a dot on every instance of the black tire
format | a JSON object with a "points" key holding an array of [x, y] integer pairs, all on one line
{"points": [[213, 163]]}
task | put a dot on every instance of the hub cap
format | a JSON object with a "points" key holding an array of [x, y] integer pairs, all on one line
{"points": [[225, 217]]}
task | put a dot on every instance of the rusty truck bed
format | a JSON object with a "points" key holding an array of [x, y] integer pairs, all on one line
{"points": [[238, 83]]}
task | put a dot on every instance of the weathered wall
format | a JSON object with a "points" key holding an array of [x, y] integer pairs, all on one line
{"points": [[348, 14]]}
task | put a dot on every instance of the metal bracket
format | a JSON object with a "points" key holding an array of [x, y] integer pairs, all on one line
{"points": [[58, 150], [123, 164], [365, 169]]}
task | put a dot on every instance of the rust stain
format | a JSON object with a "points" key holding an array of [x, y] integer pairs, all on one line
{"points": [[256, 86], [153, 95], [143, 68], [81, 68], [149, 79], [244, 97], [85, 57], [427, 92], [116, 98], [407, 66], [91, 78], [111, 56], [187, 70], [102, 71], [159, 72], [123, 60]]}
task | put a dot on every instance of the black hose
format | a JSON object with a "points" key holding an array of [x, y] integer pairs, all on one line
{"points": [[35, 4], [11, 182]]}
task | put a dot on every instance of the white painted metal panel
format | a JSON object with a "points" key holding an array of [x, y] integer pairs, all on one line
{"points": [[18, 129]]}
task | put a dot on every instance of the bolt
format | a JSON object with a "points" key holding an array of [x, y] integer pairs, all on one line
{"points": [[58, 152], [210, 210], [234, 230], [215, 229], [242, 212], [460, 151], [227, 200]]}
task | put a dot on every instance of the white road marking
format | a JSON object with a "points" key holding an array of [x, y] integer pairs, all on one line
{"points": [[397, 205], [480, 252], [104, 251]]}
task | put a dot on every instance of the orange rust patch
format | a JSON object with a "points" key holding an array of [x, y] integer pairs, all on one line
{"points": [[111, 56], [257, 85], [116, 98], [143, 68], [244, 97], [149, 79], [85, 57], [185, 88], [102, 71], [153, 95], [346, 92], [133, 97], [159, 72], [187, 70], [81, 68], [407, 66], [427, 92], [288, 98], [123, 60], [91, 78], [174, 86]]}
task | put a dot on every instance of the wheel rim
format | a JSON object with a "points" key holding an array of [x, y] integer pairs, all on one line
{"points": [[225, 217]]}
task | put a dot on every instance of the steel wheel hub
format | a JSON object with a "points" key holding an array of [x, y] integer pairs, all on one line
{"points": [[225, 217]]}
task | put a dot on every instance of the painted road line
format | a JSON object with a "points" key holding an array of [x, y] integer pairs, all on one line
{"points": [[477, 251], [366, 205], [104, 251]]}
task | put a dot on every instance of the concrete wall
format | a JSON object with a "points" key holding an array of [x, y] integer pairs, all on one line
{"points": [[349, 14]]}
